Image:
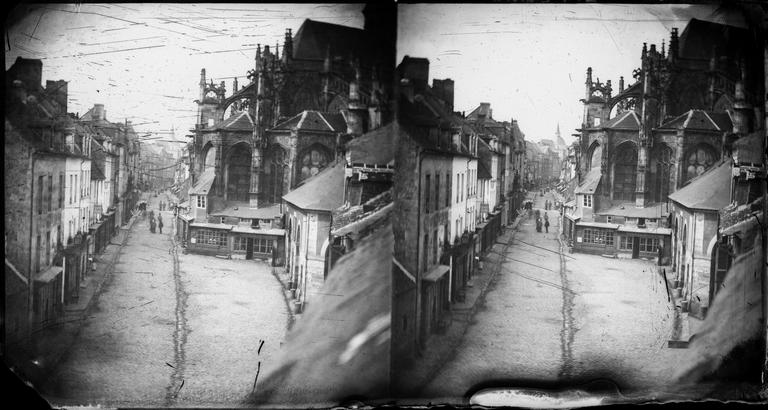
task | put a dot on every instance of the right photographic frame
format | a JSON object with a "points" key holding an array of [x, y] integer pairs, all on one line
{"points": [[580, 194]]}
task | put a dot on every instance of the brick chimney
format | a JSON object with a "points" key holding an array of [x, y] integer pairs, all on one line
{"points": [[98, 113], [443, 89]]}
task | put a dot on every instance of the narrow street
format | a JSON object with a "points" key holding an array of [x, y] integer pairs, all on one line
{"points": [[170, 329], [551, 316]]}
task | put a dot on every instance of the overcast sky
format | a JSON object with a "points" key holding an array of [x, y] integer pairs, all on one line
{"points": [[143, 61], [530, 60]]}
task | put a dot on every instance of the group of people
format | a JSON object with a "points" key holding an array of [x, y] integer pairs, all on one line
{"points": [[547, 205], [153, 225], [163, 206], [542, 222]]}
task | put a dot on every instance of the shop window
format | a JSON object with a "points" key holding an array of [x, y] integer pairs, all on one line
{"points": [[239, 243], [648, 244], [261, 245], [625, 243], [214, 238]]}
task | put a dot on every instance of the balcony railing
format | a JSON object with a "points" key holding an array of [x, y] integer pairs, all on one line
{"points": [[734, 213]]}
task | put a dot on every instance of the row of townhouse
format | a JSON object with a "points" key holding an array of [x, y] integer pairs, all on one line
{"points": [[66, 190], [457, 182]]}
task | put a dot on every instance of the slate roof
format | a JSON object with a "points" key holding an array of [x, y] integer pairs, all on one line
{"points": [[748, 149], [589, 185], [709, 191], [700, 120], [322, 192], [203, 185], [241, 121], [625, 121], [631, 210], [314, 121], [374, 147]]}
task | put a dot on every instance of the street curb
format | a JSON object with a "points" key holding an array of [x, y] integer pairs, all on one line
{"points": [[291, 315]]}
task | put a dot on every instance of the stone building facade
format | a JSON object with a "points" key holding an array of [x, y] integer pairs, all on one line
{"points": [[654, 137]]}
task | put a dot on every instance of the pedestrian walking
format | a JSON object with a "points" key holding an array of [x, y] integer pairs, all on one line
{"points": [[546, 225], [160, 224]]}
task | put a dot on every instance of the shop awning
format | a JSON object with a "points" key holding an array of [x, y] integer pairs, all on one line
{"points": [[249, 230], [48, 274], [650, 231], [210, 225], [436, 273], [597, 225]]}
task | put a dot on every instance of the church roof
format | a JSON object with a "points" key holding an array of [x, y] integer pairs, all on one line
{"points": [[314, 121], [322, 192], [625, 121], [314, 37], [241, 121], [374, 147], [589, 185], [709, 191], [700, 120], [699, 37]]}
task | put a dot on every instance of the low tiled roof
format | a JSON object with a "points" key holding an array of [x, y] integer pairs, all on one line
{"points": [[238, 122], [625, 121], [589, 185], [708, 191], [374, 147], [699, 120], [314, 121], [322, 192], [203, 185]]}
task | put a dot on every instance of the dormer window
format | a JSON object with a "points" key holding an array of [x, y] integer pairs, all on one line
{"points": [[587, 201]]}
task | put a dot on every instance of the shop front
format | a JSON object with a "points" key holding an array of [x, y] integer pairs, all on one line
{"points": [[434, 301], [209, 239], [264, 244]]}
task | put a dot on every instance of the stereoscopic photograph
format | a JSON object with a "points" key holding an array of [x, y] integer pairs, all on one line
{"points": [[279, 205]]}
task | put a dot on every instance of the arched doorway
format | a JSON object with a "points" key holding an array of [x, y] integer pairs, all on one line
{"points": [[238, 172], [625, 171], [663, 157]]}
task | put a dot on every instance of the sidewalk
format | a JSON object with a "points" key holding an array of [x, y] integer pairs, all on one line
{"points": [[441, 347], [52, 343], [684, 325]]}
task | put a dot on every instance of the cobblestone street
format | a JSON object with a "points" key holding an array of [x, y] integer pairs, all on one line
{"points": [[168, 332], [597, 318]]}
